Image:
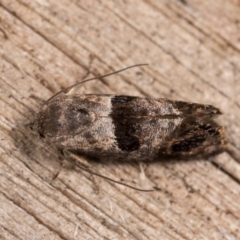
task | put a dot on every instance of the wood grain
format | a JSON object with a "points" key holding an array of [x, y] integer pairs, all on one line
{"points": [[193, 52]]}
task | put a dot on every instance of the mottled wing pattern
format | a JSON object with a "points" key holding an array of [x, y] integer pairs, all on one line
{"points": [[126, 127], [166, 128]]}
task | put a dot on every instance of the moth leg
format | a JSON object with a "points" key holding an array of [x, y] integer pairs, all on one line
{"points": [[61, 159], [76, 162], [95, 184], [73, 157], [37, 99]]}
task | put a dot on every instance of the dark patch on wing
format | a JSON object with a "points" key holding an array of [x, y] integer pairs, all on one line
{"points": [[122, 99], [82, 110], [187, 144], [196, 109], [193, 133], [209, 129], [125, 128], [200, 136]]}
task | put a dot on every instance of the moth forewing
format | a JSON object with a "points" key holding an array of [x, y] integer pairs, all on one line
{"points": [[126, 128], [130, 128]]}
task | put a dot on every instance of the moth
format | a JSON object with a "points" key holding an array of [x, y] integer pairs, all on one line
{"points": [[126, 128]]}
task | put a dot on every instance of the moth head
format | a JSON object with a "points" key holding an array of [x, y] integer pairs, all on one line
{"points": [[62, 116]]}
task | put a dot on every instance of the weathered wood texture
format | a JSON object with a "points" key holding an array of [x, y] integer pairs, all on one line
{"points": [[193, 52]]}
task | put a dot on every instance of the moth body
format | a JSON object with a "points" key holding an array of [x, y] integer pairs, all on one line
{"points": [[130, 128]]}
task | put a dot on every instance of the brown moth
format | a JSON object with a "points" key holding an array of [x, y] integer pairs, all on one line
{"points": [[126, 128]]}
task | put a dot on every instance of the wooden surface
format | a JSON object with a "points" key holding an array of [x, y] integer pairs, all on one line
{"points": [[193, 52]]}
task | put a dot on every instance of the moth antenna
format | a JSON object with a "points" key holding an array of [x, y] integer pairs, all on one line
{"points": [[87, 80], [115, 181]]}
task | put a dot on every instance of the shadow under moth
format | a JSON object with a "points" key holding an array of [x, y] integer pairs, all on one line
{"points": [[126, 128]]}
